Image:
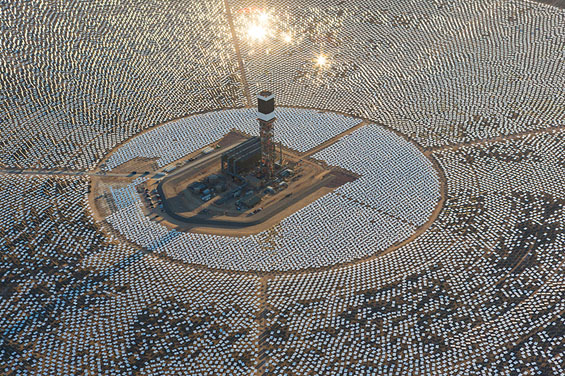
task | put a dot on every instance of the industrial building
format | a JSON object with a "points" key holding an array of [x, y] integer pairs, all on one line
{"points": [[243, 157]]}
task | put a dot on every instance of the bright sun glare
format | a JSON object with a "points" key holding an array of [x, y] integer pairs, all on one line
{"points": [[263, 17], [321, 60], [256, 32]]}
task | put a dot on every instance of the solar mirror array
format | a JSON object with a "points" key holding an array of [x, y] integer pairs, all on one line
{"points": [[445, 256]]}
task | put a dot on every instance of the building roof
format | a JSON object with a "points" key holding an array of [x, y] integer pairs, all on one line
{"points": [[251, 201]]}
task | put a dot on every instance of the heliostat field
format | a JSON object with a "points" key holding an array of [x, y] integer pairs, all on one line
{"points": [[436, 249]]}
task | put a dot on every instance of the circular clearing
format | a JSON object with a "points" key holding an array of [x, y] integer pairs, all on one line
{"points": [[392, 200]]}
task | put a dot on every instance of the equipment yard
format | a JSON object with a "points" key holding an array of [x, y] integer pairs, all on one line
{"points": [[236, 204]]}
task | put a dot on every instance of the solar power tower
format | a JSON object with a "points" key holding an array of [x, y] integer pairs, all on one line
{"points": [[266, 115]]}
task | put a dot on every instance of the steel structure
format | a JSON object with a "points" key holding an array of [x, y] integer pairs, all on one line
{"points": [[242, 157]]}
